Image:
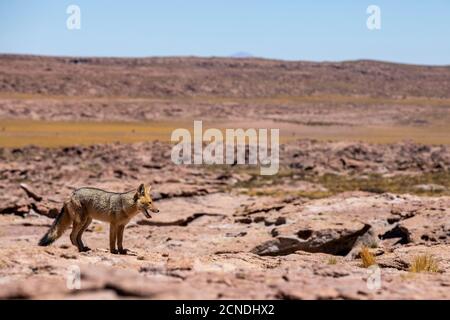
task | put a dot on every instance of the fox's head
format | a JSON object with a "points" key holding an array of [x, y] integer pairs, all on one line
{"points": [[144, 200]]}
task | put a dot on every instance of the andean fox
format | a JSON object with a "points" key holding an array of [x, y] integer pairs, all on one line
{"points": [[87, 204]]}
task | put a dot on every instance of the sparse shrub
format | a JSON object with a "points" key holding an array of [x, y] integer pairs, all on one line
{"points": [[424, 263], [367, 257], [3, 264], [373, 245], [97, 228], [373, 189], [332, 261]]}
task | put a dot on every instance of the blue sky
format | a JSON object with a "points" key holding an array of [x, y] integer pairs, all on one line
{"points": [[411, 32]]}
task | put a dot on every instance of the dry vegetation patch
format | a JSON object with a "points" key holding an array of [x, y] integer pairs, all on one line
{"points": [[424, 263], [367, 257]]}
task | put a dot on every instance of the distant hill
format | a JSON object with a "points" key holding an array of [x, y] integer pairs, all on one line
{"points": [[221, 77], [241, 54]]}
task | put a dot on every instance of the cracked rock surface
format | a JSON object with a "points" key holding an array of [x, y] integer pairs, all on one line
{"points": [[210, 240]]}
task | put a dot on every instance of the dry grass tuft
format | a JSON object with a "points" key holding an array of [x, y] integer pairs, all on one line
{"points": [[424, 263], [3, 264], [332, 261], [98, 228], [367, 257]]}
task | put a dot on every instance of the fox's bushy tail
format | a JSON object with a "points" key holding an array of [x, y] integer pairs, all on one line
{"points": [[58, 227]]}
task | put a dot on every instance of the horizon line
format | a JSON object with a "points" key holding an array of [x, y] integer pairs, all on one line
{"points": [[252, 57]]}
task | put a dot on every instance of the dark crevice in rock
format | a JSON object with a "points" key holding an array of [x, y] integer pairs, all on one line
{"points": [[283, 245], [304, 234], [342, 246], [164, 272], [30, 193], [179, 222], [16, 210], [396, 263], [156, 196], [397, 232]]}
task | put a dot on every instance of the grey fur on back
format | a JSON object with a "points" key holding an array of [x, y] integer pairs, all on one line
{"points": [[103, 201]]}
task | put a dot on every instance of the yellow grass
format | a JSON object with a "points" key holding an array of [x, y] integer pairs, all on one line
{"points": [[367, 257], [17, 133], [424, 263], [432, 134], [3, 264], [332, 261], [98, 228]]}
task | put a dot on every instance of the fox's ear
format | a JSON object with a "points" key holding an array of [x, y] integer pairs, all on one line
{"points": [[141, 189]]}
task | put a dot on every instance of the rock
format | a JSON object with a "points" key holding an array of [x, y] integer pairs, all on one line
{"points": [[349, 157], [179, 222], [278, 246], [259, 208], [277, 222], [333, 240], [182, 190], [124, 283], [15, 206], [212, 240], [429, 225], [45, 208], [30, 192], [429, 187], [31, 288], [368, 239]]}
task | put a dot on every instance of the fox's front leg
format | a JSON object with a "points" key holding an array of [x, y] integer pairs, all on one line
{"points": [[112, 238], [120, 239]]}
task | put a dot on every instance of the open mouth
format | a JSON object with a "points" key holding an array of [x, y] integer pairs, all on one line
{"points": [[147, 214]]}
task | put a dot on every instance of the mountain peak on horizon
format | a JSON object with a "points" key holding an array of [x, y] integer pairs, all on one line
{"points": [[242, 54]]}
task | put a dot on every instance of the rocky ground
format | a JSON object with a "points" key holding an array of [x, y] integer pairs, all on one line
{"points": [[341, 220], [224, 233], [349, 93], [219, 77]]}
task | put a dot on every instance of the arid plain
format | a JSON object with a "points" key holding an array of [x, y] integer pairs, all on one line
{"points": [[360, 208]]}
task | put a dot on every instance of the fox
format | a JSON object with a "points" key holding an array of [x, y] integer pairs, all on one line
{"points": [[87, 203]]}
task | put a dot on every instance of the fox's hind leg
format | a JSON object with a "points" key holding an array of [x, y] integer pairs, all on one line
{"points": [[75, 212], [84, 225], [120, 239], [112, 238], [77, 225]]}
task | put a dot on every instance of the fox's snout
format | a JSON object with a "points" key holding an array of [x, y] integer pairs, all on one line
{"points": [[155, 210]]}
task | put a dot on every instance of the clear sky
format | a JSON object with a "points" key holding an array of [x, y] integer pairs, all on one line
{"points": [[411, 31]]}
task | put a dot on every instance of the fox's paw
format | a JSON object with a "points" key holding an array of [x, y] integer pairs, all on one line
{"points": [[86, 249], [114, 251], [123, 251]]}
